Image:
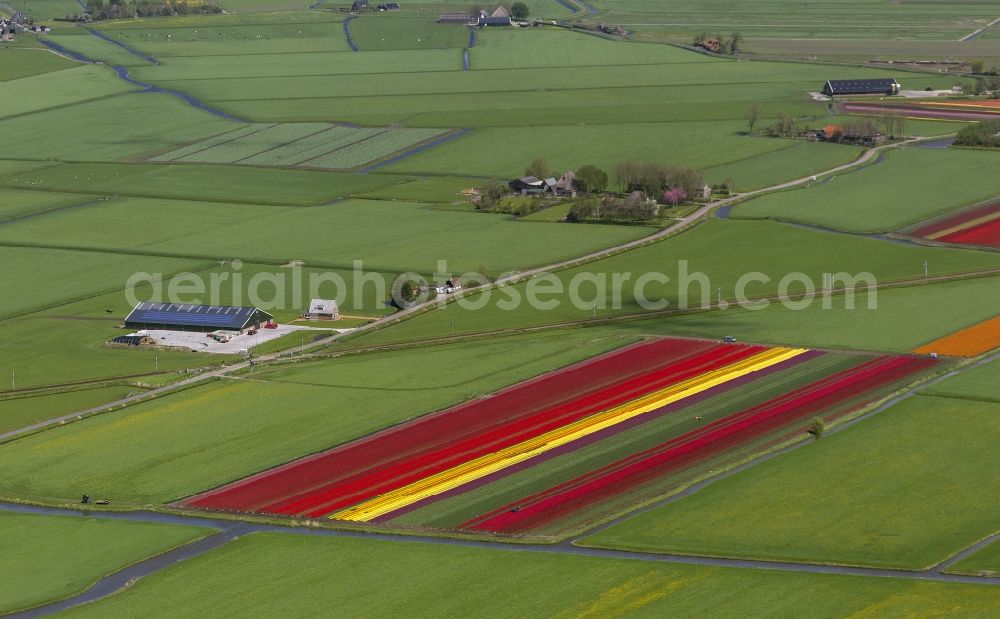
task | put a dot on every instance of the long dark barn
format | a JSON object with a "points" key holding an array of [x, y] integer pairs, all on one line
{"points": [[861, 87], [184, 317]]}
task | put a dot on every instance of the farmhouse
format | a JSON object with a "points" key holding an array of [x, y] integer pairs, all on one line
{"points": [[565, 186], [527, 185], [359, 5], [389, 6], [861, 87], [185, 317], [322, 309]]}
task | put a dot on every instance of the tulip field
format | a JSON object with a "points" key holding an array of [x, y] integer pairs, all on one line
{"points": [[977, 226], [972, 341], [635, 423]]}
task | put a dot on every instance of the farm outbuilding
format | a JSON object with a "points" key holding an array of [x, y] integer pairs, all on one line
{"points": [[887, 86], [322, 309], [359, 5], [185, 317], [527, 184], [389, 6]]}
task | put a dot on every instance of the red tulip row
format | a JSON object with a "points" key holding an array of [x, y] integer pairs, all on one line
{"points": [[699, 445], [360, 470]]}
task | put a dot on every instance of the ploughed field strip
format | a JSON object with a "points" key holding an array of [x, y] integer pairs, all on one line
{"points": [[978, 226], [568, 448], [305, 145]]}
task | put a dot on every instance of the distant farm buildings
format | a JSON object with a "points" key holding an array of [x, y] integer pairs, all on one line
{"points": [[531, 186], [887, 86], [185, 317], [499, 17], [389, 6], [359, 5]]}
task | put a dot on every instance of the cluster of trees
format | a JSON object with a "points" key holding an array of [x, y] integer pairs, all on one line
{"points": [[979, 68], [128, 9], [635, 208], [988, 85], [653, 178], [519, 11], [731, 46], [985, 133]]}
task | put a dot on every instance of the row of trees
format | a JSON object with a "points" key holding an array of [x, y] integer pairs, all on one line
{"points": [[654, 178], [127, 9], [985, 133]]}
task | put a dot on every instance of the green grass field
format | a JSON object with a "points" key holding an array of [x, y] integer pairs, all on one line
{"points": [[96, 48], [197, 182], [723, 252], [299, 574], [71, 275], [981, 382], [33, 94], [888, 492], [304, 64], [115, 128], [903, 189], [229, 37], [47, 558], [17, 412], [334, 235], [983, 562], [524, 49], [718, 147], [18, 62], [204, 437], [45, 10], [904, 319], [391, 32], [15, 204]]}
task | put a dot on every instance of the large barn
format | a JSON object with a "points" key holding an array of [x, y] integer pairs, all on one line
{"points": [[184, 317], [861, 87]]}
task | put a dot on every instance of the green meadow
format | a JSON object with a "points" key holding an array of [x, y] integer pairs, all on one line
{"points": [[715, 256], [335, 235], [29, 95], [47, 558], [293, 574], [878, 494], [903, 189], [116, 127], [20, 411]]}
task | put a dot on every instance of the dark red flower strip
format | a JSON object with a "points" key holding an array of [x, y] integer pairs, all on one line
{"points": [[987, 234], [404, 471], [439, 429], [956, 220], [695, 446]]}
